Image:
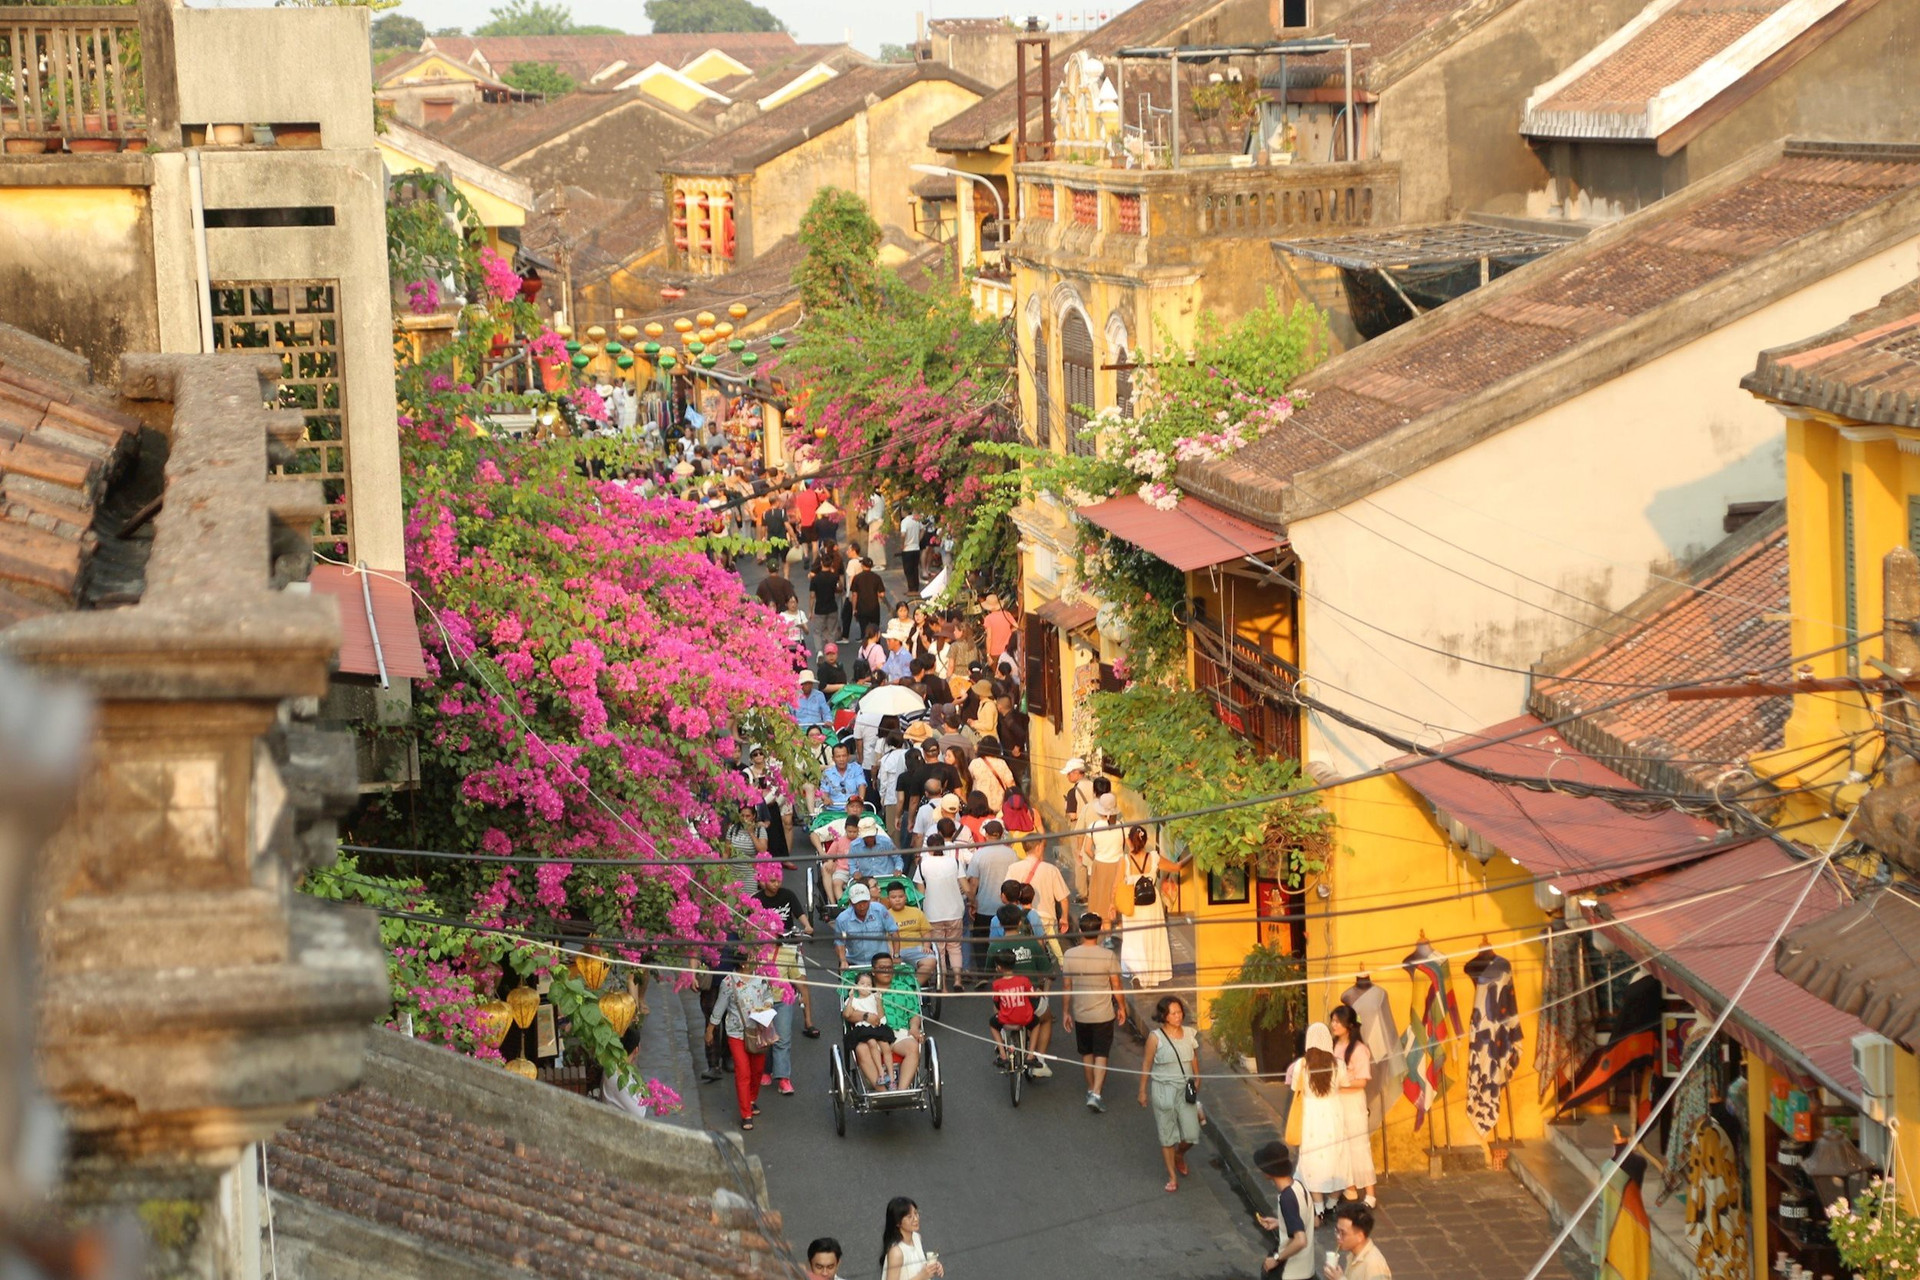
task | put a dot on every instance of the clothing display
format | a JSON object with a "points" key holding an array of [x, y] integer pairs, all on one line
{"points": [[1716, 1217], [1566, 1013], [1372, 1006], [1493, 1050], [1692, 1098], [1624, 1244], [1432, 1017]]}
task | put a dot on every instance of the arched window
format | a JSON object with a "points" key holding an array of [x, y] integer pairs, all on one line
{"points": [[1076, 371], [1123, 383], [1042, 391]]}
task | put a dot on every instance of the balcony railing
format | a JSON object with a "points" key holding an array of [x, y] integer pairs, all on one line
{"points": [[1251, 690], [71, 77]]}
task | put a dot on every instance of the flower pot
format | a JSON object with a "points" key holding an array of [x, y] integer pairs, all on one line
{"points": [[297, 137], [26, 146], [135, 143], [92, 145], [227, 135]]}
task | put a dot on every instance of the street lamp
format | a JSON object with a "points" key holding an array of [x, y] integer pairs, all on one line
{"points": [[942, 171]]}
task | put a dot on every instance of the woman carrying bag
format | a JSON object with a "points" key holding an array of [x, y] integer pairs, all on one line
{"points": [[1145, 955], [1171, 1070], [745, 1006]]}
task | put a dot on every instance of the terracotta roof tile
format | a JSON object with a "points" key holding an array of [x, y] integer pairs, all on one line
{"points": [[1727, 618], [511, 1207], [1867, 368], [1577, 296], [582, 56], [1671, 48]]}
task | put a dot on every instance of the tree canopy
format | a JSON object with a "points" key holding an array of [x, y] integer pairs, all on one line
{"points": [[710, 15], [538, 77], [398, 31], [538, 18]]}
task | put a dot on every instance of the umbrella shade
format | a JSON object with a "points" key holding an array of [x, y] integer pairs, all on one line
{"points": [[892, 700]]}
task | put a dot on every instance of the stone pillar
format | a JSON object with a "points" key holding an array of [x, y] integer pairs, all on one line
{"points": [[191, 1003]]}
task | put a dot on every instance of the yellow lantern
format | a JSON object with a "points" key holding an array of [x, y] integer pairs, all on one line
{"points": [[724, 328], [628, 333], [738, 311], [496, 1016], [590, 350], [705, 318], [708, 335], [564, 330], [524, 1067], [655, 329], [523, 1002], [669, 351], [683, 325], [596, 333], [617, 1008], [591, 970]]}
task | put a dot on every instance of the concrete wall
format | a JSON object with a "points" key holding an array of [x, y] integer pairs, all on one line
{"points": [[867, 155], [76, 263], [277, 66], [1589, 498], [986, 56], [1471, 95]]}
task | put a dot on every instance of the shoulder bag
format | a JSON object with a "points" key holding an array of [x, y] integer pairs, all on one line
{"points": [[1192, 1091]]}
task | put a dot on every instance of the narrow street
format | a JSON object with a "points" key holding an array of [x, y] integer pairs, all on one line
{"points": [[1048, 1188]]}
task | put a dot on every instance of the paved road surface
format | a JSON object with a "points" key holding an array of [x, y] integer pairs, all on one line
{"points": [[1049, 1189]]}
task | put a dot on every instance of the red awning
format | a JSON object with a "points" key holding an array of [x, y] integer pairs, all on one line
{"points": [[392, 621], [1579, 841], [1191, 536], [1705, 946]]}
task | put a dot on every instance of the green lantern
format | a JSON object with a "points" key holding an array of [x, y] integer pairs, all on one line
{"points": [[777, 341], [667, 362], [652, 349], [749, 358], [614, 349], [708, 361], [581, 360], [624, 360], [737, 346], [696, 346], [573, 347]]}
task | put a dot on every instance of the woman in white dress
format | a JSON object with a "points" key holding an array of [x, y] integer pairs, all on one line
{"points": [[1144, 952], [1358, 1068], [901, 1257], [1316, 1079]]}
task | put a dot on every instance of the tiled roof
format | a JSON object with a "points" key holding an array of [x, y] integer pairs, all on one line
{"points": [[990, 121], [507, 1206], [58, 448], [788, 125], [582, 56], [1384, 26], [1572, 302], [1725, 619], [1867, 368], [499, 133], [1670, 60]]}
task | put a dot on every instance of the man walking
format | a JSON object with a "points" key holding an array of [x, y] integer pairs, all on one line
{"points": [[1094, 1004], [911, 531], [868, 594], [1293, 1260]]}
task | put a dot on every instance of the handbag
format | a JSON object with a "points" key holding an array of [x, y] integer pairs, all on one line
{"points": [[1192, 1091], [760, 1039]]}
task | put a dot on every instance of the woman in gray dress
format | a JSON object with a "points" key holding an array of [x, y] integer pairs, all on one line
{"points": [[1171, 1071]]}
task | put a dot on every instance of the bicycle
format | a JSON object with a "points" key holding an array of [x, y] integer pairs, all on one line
{"points": [[1018, 1060]]}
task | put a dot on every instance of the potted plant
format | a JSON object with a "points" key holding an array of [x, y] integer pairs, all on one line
{"points": [[1263, 1012]]}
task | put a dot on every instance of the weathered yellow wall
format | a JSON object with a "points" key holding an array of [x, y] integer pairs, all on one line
{"points": [[436, 67], [1387, 851], [76, 267], [713, 65], [673, 92], [1906, 1139]]}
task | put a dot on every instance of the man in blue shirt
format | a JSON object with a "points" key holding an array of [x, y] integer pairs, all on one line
{"points": [[899, 663], [864, 930], [871, 854], [811, 707], [844, 779]]}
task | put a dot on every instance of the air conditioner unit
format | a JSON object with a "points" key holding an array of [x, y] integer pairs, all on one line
{"points": [[1873, 1063]]}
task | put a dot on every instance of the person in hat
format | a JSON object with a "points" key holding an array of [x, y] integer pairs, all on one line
{"points": [[811, 707], [899, 660], [1293, 1260], [831, 675], [864, 930], [871, 854], [998, 624]]}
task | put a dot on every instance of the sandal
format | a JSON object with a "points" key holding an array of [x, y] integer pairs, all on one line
{"points": [[811, 1032], [746, 1124], [1180, 1167], [1173, 1184]]}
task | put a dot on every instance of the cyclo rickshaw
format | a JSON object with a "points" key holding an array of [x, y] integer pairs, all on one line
{"points": [[848, 1088]]}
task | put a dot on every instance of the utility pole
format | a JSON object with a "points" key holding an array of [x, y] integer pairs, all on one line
{"points": [[557, 209]]}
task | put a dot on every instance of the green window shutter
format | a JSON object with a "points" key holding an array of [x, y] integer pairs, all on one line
{"points": [[1851, 574], [1913, 522]]}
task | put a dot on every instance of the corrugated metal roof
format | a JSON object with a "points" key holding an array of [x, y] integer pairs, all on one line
{"points": [[392, 615], [1191, 536], [1707, 946], [1067, 617], [1580, 841], [1863, 960]]}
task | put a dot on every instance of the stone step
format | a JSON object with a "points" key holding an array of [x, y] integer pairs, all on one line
{"points": [[1560, 1177]]}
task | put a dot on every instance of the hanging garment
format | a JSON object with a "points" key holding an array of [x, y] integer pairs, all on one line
{"points": [[1375, 1011], [1693, 1097], [1493, 1050], [1635, 1045], [1566, 1014], [1716, 1218], [1625, 1242], [1432, 1016]]}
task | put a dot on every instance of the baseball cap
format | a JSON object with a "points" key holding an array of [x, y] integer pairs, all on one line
{"points": [[1073, 764], [829, 647], [950, 803], [867, 827], [859, 894]]}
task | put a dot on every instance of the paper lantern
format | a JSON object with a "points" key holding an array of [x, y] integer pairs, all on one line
{"points": [[724, 329], [655, 330], [628, 333], [617, 1008], [582, 360], [523, 1067], [683, 325], [624, 360], [572, 346], [696, 347], [590, 350], [738, 311], [737, 346], [667, 361], [777, 341], [705, 318], [749, 358], [708, 335], [496, 1018], [596, 333], [564, 330], [591, 970], [708, 361], [613, 348], [523, 1002], [668, 353], [650, 350]]}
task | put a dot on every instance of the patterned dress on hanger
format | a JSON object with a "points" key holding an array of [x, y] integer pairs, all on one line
{"points": [[1493, 1051]]}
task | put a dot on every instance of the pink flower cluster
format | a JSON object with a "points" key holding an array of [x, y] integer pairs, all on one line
{"points": [[423, 297], [498, 277]]}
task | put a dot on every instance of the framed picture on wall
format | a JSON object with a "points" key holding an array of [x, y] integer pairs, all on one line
{"points": [[1224, 888], [1675, 1026], [1270, 904]]}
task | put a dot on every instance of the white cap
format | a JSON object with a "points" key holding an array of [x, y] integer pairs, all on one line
{"points": [[867, 827], [1073, 764], [859, 893], [807, 677]]}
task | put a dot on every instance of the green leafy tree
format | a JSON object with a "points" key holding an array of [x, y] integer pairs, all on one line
{"points": [[710, 15], [842, 263], [398, 31], [538, 77], [449, 31], [890, 52], [538, 18]]}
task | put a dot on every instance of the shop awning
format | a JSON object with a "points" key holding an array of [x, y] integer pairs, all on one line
{"points": [[385, 637], [1701, 929], [1068, 617], [1191, 536], [1578, 841], [1864, 960]]}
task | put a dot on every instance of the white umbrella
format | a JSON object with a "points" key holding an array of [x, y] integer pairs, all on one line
{"points": [[892, 700]]}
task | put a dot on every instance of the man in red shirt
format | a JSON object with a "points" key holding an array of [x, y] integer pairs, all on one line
{"points": [[806, 511], [999, 625]]}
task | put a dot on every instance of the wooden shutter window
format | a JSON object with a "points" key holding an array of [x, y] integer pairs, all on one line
{"points": [[1037, 641]]}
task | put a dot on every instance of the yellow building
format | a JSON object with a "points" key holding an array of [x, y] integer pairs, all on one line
{"points": [[500, 200], [426, 87]]}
